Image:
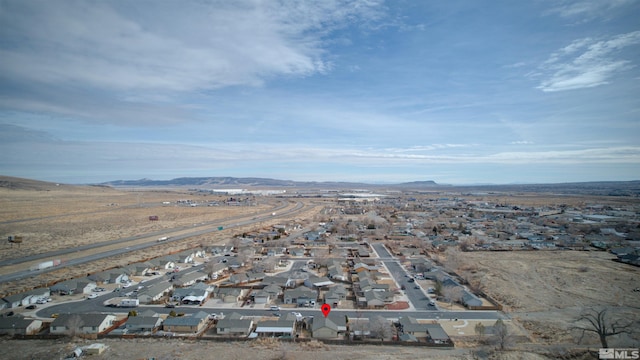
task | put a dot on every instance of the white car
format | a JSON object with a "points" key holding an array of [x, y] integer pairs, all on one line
{"points": [[92, 296]]}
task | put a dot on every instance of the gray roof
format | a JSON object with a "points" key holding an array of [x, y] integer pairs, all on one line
{"points": [[234, 323], [146, 321], [437, 332], [88, 320], [15, 322], [182, 321]]}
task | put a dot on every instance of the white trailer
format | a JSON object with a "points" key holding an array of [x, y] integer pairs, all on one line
{"points": [[127, 303]]}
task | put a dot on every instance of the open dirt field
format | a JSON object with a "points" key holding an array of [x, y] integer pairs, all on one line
{"points": [[545, 291], [163, 349]]}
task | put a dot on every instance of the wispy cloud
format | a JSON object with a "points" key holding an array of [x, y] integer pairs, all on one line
{"points": [[120, 53], [522, 142], [586, 10], [586, 63]]}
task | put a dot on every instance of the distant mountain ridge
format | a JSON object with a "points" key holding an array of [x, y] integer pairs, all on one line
{"points": [[227, 181], [606, 188], [603, 188]]}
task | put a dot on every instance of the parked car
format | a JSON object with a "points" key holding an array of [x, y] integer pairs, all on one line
{"points": [[31, 307], [92, 296], [170, 306], [274, 308]]}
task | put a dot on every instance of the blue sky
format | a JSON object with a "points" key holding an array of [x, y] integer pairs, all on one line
{"points": [[459, 92]]}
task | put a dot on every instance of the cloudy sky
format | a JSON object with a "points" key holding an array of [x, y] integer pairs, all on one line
{"points": [[459, 92]]}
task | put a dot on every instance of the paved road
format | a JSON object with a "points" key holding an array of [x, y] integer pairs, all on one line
{"points": [[417, 297], [208, 228], [95, 305]]}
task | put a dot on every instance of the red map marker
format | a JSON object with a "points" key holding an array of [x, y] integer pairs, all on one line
{"points": [[326, 309]]}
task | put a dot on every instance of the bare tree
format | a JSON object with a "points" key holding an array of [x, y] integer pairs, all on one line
{"points": [[74, 325], [209, 268], [501, 334], [380, 328], [480, 330], [269, 263], [598, 321], [452, 294]]}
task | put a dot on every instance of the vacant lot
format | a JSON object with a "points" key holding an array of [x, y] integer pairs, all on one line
{"points": [[164, 349], [546, 290]]}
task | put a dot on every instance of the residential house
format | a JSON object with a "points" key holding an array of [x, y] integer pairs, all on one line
{"points": [[74, 286], [163, 263], [190, 278], [437, 335], [409, 325], [276, 328], [139, 269], [300, 296], [261, 297], [215, 269], [232, 262], [469, 299], [375, 299], [186, 257], [154, 292], [297, 252], [143, 323], [24, 299], [317, 282], [191, 295], [430, 332], [99, 278], [330, 327], [13, 301], [281, 281], [233, 324], [83, 323], [230, 295], [273, 290], [336, 272], [186, 324], [335, 295], [16, 325], [359, 267], [32, 296]]}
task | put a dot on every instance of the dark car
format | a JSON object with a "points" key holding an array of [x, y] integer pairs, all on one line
{"points": [[411, 280], [403, 287], [31, 307], [170, 306]]}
